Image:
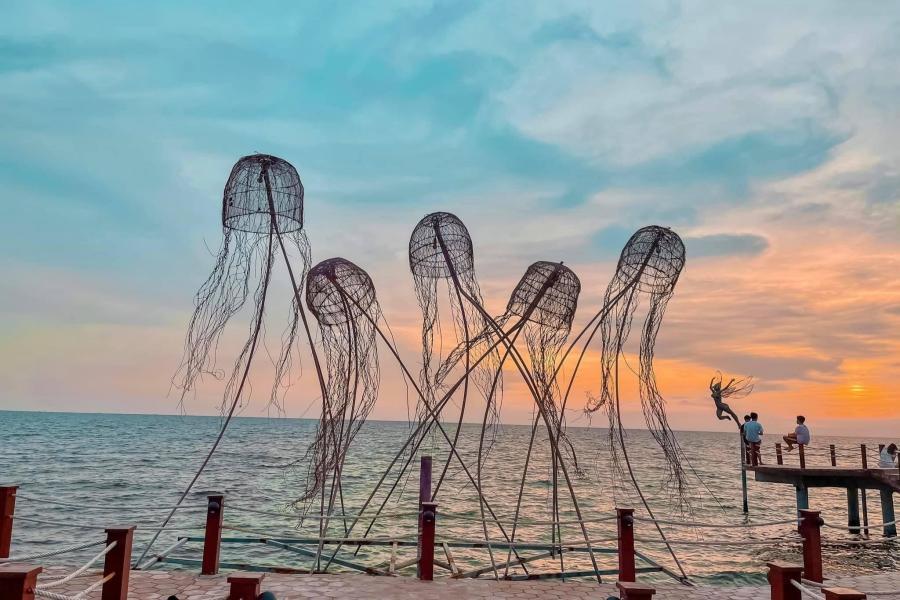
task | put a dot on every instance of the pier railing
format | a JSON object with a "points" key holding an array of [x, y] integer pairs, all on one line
{"points": [[18, 574]]}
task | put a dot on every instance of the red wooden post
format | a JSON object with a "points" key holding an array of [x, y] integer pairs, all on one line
{"points": [[833, 456], [780, 577], [245, 586], [118, 561], [835, 593], [779, 458], [424, 496], [426, 541], [17, 581], [802, 457], [212, 539], [810, 529], [7, 510], [625, 527], [634, 591]]}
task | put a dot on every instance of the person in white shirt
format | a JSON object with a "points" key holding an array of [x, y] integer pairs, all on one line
{"points": [[800, 435], [887, 458]]}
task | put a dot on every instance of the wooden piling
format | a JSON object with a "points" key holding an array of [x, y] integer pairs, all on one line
{"points": [[780, 576], [833, 455], [779, 458], [212, 539], [7, 512], [244, 586], [802, 456], [625, 527], [635, 591], [811, 530], [426, 541], [17, 581], [117, 563], [836, 593], [424, 496], [802, 493]]}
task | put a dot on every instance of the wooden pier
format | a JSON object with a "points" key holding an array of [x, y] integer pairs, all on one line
{"points": [[853, 480]]}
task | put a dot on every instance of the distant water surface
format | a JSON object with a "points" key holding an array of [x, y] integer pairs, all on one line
{"points": [[125, 468]]}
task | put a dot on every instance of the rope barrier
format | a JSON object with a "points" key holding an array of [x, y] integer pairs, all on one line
{"points": [[721, 543], [78, 596], [806, 591], [67, 578], [858, 527], [51, 552], [717, 525], [101, 527], [159, 557], [298, 516], [21, 496]]}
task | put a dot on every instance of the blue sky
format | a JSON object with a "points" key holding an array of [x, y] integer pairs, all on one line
{"points": [[764, 134]]}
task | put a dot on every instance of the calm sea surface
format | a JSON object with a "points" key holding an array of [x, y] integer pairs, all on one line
{"points": [[122, 469]]}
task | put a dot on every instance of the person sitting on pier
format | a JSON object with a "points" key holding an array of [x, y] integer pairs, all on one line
{"points": [[753, 432], [888, 457], [800, 435]]}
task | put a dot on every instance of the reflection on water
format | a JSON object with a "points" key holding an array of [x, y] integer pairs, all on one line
{"points": [[141, 463]]}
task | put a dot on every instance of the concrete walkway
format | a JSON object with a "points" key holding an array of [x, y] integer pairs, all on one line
{"points": [[151, 585]]}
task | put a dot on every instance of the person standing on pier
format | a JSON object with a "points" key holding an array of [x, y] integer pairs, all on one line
{"points": [[800, 435], [753, 432]]}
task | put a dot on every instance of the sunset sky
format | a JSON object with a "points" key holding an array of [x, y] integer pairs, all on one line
{"points": [[765, 134]]}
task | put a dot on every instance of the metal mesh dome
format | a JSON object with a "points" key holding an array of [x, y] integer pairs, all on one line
{"points": [[556, 307], [326, 285], [659, 252], [426, 258], [245, 202]]}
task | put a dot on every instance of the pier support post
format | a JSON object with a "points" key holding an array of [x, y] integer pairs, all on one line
{"points": [[244, 586], [634, 591], [862, 493], [212, 538], [887, 512], [424, 496], [833, 455], [835, 593], [811, 530], [7, 510], [802, 449], [852, 509], [426, 541], [780, 577], [802, 498], [625, 526], [118, 561], [18, 581], [779, 457]]}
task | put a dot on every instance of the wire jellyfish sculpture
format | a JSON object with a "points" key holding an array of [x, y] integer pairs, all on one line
{"points": [[649, 265], [440, 248], [341, 296], [262, 214]]}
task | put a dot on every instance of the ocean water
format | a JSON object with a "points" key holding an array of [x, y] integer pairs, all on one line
{"points": [[125, 469]]}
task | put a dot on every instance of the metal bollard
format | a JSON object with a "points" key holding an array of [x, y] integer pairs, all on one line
{"points": [[811, 530], [212, 538], [780, 576], [7, 511], [426, 541], [625, 529]]}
